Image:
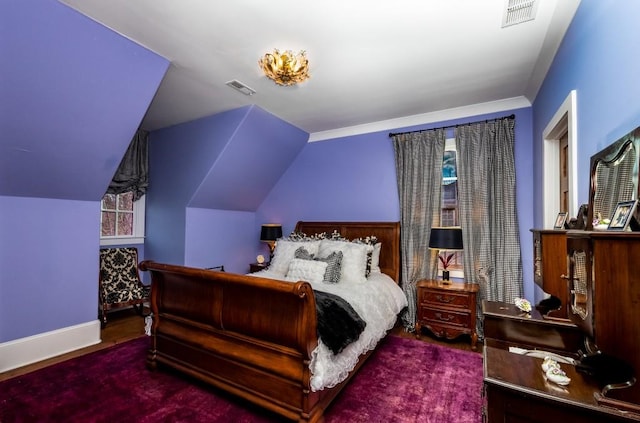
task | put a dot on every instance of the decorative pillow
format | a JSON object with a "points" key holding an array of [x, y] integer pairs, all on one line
{"points": [[302, 253], [354, 258], [335, 235], [375, 258], [306, 270], [369, 241], [285, 251], [301, 236], [334, 266], [333, 260]]}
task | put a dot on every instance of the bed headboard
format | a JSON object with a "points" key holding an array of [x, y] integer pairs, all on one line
{"points": [[388, 233]]}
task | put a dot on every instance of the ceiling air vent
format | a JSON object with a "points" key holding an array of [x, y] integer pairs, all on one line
{"points": [[237, 85], [518, 11]]}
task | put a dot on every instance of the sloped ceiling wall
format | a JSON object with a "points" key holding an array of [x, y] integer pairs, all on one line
{"points": [[73, 94], [229, 161], [260, 150]]}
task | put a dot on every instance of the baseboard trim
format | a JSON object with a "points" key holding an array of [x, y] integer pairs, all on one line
{"points": [[29, 350]]}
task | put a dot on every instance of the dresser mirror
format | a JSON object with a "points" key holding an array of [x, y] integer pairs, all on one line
{"points": [[614, 176]]}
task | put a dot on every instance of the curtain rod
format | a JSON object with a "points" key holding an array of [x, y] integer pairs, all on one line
{"points": [[391, 134]]}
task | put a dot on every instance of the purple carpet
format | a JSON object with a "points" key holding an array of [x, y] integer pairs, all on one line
{"points": [[404, 381]]}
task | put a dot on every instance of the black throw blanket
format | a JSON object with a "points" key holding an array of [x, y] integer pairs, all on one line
{"points": [[338, 323]]}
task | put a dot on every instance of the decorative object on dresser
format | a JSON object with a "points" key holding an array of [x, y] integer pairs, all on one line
{"points": [[580, 221], [560, 220], [445, 239], [447, 310], [270, 233], [623, 216]]}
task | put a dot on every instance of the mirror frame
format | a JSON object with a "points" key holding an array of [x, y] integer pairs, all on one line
{"points": [[610, 154]]}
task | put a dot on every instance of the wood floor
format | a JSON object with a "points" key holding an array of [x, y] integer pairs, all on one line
{"points": [[125, 325]]}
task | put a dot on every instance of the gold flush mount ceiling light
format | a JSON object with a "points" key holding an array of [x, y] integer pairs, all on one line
{"points": [[286, 68]]}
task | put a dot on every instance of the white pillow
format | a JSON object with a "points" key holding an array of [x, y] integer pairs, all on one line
{"points": [[285, 250], [375, 258], [354, 258], [307, 270]]}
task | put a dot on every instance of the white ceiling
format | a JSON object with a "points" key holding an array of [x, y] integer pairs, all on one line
{"points": [[370, 60]]}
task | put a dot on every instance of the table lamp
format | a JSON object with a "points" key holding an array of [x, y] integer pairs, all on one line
{"points": [[445, 239], [270, 233]]}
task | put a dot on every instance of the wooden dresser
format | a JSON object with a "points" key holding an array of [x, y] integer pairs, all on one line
{"points": [[515, 390], [603, 305], [448, 310], [506, 326]]}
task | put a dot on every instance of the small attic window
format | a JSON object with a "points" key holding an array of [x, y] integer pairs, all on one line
{"points": [[518, 11]]}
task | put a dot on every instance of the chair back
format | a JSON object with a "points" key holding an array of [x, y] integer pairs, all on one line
{"points": [[119, 270]]}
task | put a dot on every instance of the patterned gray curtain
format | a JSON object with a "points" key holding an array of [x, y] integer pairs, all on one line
{"points": [[133, 173], [488, 217], [418, 158]]}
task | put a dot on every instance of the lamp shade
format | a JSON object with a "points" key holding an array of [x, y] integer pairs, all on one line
{"points": [[449, 238], [270, 232]]}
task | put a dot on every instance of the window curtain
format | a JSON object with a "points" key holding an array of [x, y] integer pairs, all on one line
{"points": [[133, 173], [487, 209], [418, 157]]}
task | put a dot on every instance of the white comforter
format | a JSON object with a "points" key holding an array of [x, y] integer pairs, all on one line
{"points": [[378, 302]]}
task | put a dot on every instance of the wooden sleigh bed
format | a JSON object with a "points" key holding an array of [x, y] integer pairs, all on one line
{"points": [[248, 335]]}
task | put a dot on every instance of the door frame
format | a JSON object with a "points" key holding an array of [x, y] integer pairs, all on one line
{"points": [[564, 120]]}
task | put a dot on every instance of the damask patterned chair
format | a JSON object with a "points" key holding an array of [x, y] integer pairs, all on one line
{"points": [[119, 282]]}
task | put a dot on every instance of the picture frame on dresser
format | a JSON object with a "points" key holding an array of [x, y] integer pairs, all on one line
{"points": [[622, 215], [560, 220]]}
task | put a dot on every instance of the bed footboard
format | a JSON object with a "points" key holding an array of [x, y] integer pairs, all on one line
{"points": [[248, 335]]}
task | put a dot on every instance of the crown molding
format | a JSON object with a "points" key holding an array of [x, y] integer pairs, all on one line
{"points": [[423, 119]]}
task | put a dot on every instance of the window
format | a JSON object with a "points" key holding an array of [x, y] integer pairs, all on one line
{"points": [[121, 219], [449, 204]]}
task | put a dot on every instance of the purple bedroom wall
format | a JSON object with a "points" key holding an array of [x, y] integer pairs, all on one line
{"points": [[598, 58], [208, 178], [48, 263], [220, 237], [73, 94], [354, 178]]}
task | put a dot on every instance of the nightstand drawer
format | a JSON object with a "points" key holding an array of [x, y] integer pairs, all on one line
{"points": [[446, 298], [445, 316]]}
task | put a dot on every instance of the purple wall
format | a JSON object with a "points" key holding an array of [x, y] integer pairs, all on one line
{"points": [[221, 237], [220, 168], [354, 178], [599, 59], [48, 264], [73, 94], [71, 100]]}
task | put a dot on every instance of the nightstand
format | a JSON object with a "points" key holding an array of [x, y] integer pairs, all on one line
{"points": [[256, 267], [447, 310]]}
